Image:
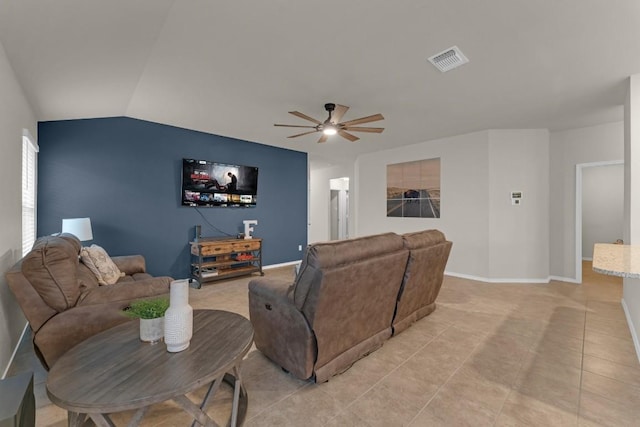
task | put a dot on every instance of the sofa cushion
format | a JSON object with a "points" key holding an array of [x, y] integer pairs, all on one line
{"points": [[87, 279], [52, 268], [125, 292], [100, 264]]}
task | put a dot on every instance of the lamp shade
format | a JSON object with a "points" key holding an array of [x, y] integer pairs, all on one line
{"points": [[79, 227]]}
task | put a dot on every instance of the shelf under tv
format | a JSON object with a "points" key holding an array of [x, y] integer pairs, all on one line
{"points": [[216, 259]]}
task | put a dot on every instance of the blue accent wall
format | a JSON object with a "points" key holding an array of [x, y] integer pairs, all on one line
{"points": [[125, 174]]}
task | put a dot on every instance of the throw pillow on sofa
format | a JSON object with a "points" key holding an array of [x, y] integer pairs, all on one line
{"points": [[100, 264]]}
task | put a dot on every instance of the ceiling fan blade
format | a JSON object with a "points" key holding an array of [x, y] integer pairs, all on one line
{"points": [[363, 129], [323, 138], [367, 119], [338, 113], [304, 133], [295, 126], [348, 136], [304, 116]]}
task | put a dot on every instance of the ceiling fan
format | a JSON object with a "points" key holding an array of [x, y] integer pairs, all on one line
{"points": [[332, 125]]}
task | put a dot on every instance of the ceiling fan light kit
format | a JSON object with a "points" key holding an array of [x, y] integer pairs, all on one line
{"points": [[333, 125], [329, 130]]}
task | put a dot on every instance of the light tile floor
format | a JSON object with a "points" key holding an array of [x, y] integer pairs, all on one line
{"points": [[491, 354]]}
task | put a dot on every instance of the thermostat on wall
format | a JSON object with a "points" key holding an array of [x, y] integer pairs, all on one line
{"points": [[516, 197]]}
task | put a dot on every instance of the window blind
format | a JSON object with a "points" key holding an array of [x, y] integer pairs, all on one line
{"points": [[29, 168]]}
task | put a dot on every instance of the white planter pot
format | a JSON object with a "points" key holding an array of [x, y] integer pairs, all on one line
{"points": [[152, 330]]}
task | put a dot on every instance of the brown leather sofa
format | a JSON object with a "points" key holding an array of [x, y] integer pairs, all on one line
{"points": [[428, 254], [61, 297], [344, 300]]}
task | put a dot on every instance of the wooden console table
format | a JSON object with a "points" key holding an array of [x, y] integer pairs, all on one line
{"points": [[216, 259], [114, 371]]}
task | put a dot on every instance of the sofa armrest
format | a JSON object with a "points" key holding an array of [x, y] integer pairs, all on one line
{"points": [[67, 329], [281, 331], [126, 291], [130, 264], [271, 288]]}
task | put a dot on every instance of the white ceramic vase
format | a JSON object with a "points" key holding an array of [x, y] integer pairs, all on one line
{"points": [[151, 330], [178, 324]]}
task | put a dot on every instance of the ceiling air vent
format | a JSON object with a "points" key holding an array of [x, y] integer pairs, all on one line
{"points": [[448, 59]]}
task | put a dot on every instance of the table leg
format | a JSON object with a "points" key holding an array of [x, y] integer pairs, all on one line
{"points": [[194, 410], [211, 391], [137, 417], [75, 419], [236, 396], [239, 405], [102, 420]]}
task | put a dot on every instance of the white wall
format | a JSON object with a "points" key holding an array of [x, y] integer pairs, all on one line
{"points": [[464, 204], [567, 149], [602, 206], [478, 172], [631, 287], [319, 201], [492, 240], [15, 115], [339, 212], [519, 235]]}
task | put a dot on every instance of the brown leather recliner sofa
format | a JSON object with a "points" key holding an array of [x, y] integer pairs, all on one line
{"points": [[61, 297], [428, 254], [346, 300]]}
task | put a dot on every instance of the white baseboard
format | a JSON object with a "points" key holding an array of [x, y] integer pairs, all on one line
{"points": [[15, 350], [634, 335], [501, 280], [564, 279], [587, 259]]}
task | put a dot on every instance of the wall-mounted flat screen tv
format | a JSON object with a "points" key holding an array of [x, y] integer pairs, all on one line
{"points": [[209, 184]]}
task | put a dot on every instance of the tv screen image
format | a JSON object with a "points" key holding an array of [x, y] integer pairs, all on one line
{"points": [[207, 183]]}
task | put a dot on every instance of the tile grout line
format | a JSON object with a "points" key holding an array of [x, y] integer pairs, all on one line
{"points": [[278, 401], [397, 367], [584, 338], [360, 395], [511, 388], [447, 380]]}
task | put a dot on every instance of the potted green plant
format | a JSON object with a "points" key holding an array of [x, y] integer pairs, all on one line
{"points": [[151, 315]]}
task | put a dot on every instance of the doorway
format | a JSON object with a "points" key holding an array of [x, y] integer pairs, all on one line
{"points": [[599, 207], [339, 206]]}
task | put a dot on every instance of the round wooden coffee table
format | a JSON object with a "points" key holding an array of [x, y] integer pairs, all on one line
{"points": [[114, 371]]}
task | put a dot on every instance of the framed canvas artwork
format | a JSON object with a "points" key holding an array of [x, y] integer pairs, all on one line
{"points": [[413, 189]]}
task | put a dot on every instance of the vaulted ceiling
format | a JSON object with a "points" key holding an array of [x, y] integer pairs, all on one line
{"points": [[235, 68]]}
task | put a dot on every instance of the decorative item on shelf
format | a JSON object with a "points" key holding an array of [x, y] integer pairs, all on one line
{"points": [[151, 313], [248, 227], [244, 257], [206, 272], [79, 227], [178, 325]]}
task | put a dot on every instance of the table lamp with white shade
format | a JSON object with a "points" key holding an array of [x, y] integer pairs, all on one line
{"points": [[79, 227]]}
